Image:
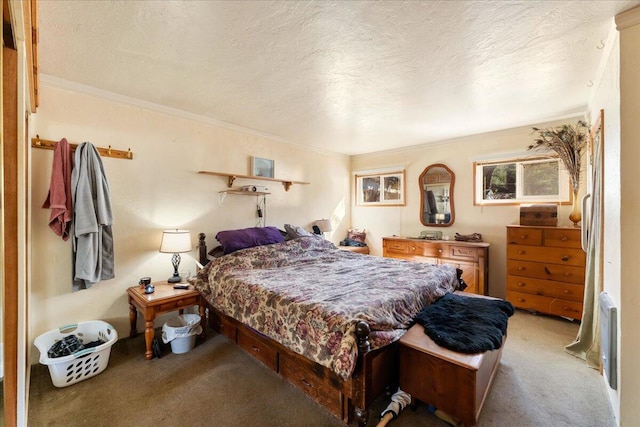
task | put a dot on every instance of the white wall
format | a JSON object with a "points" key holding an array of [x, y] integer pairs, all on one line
{"points": [[629, 221], [606, 96], [458, 155], [160, 189]]}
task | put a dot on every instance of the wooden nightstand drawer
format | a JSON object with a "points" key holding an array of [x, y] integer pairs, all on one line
{"points": [[255, 345], [562, 256], [178, 304], [524, 236]]}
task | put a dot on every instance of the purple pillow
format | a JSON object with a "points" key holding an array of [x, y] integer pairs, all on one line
{"points": [[233, 240]]}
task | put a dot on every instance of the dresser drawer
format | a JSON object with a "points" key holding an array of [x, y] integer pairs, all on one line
{"points": [[563, 256], [255, 345], [547, 288], [563, 238], [396, 247], [560, 273], [428, 249], [463, 252], [319, 388], [545, 304], [524, 236]]}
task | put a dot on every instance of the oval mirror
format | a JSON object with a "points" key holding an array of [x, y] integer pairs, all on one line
{"points": [[436, 196]]}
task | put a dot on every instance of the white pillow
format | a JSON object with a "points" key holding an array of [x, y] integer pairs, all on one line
{"points": [[294, 231]]}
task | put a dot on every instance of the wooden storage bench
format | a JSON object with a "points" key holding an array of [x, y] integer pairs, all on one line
{"points": [[455, 383]]}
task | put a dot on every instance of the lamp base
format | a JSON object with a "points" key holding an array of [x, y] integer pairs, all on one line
{"points": [[174, 279]]}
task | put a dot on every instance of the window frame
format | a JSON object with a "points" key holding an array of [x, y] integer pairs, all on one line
{"points": [[564, 196]]}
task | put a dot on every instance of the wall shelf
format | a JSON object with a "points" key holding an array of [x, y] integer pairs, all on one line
{"points": [[245, 193], [232, 177]]}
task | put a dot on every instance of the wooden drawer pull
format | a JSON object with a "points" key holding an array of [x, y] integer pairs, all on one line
{"points": [[440, 251], [565, 258], [566, 292], [564, 238], [524, 237], [305, 382], [256, 349], [566, 274], [546, 270], [521, 284], [522, 268], [521, 252], [521, 299]]}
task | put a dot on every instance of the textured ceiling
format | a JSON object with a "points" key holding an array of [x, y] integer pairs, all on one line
{"points": [[346, 77]]}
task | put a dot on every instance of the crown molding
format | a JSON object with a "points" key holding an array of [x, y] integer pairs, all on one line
{"points": [[628, 19]]}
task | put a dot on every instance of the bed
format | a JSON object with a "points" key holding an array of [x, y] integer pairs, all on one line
{"points": [[325, 319]]}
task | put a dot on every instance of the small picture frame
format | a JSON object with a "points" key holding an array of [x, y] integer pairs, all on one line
{"points": [[384, 189], [262, 167]]}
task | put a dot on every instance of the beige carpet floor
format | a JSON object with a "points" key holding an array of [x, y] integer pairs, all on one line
{"points": [[217, 384]]}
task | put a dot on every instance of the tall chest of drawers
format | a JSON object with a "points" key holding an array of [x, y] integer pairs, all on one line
{"points": [[546, 269], [471, 258]]}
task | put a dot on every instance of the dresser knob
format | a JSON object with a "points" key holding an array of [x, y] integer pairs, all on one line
{"points": [[523, 237], [521, 252], [439, 250], [566, 274], [566, 292], [565, 258], [520, 299], [521, 284], [564, 238], [522, 268]]}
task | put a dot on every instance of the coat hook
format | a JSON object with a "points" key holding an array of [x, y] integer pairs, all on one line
{"points": [[129, 153], [600, 45], [109, 151], [589, 83]]}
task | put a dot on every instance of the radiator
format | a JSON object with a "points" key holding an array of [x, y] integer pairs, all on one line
{"points": [[608, 339]]}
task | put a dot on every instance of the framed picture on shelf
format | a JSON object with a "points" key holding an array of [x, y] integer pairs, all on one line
{"points": [[262, 167], [384, 189]]}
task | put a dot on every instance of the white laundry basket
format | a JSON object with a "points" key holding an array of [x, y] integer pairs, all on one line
{"points": [[86, 363]]}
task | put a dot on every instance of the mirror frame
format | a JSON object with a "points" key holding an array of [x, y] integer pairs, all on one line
{"points": [[451, 187]]}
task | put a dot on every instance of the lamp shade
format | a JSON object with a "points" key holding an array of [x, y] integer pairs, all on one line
{"points": [[175, 241], [324, 225]]}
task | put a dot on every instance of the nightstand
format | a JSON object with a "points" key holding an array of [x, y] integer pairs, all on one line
{"points": [[162, 300]]}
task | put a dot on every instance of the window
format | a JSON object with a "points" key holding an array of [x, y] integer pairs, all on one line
{"points": [[521, 181]]}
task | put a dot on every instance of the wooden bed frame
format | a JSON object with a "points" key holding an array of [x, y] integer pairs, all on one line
{"points": [[376, 371]]}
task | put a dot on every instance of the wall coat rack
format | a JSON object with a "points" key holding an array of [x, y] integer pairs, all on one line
{"points": [[37, 142]]}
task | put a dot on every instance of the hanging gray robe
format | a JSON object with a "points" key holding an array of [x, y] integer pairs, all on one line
{"points": [[92, 220]]}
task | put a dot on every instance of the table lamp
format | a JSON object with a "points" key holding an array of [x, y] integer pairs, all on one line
{"points": [[323, 226], [174, 242]]}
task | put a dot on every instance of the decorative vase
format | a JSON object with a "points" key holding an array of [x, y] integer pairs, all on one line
{"points": [[576, 215]]}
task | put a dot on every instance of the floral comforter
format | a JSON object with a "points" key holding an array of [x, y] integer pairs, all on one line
{"points": [[308, 295]]}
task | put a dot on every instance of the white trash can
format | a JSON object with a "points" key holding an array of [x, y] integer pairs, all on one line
{"points": [[181, 332]]}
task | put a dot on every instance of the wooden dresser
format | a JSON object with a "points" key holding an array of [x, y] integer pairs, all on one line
{"points": [[546, 269], [471, 258]]}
